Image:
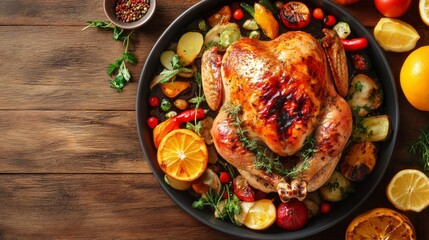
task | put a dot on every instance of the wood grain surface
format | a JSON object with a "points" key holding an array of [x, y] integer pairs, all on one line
{"points": [[71, 166]]}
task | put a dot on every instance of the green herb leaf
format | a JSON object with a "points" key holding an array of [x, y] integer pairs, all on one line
{"points": [[98, 24], [130, 57], [111, 69]]}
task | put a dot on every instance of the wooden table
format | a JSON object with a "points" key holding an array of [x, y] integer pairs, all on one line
{"points": [[70, 161]]}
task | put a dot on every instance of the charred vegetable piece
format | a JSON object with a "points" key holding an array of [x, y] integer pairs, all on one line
{"points": [[374, 128], [243, 190], [220, 17], [213, 35], [250, 24], [361, 61], [358, 161], [265, 19], [295, 15], [228, 37], [172, 89], [342, 29], [364, 95], [209, 180], [336, 188]]}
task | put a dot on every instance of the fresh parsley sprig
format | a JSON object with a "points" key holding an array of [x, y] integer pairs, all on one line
{"points": [[119, 67], [177, 67]]}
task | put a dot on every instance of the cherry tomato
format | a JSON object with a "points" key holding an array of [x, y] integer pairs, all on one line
{"points": [[152, 122], [154, 101], [330, 20], [238, 14], [354, 44], [243, 190], [325, 207], [295, 15], [392, 8], [318, 14], [224, 177]]}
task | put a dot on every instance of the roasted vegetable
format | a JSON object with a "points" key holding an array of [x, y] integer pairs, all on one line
{"points": [[255, 34], [265, 19], [220, 17], [373, 129], [336, 188], [312, 201], [177, 184], [228, 37], [364, 95], [172, 89], [189, 46], [342, 29], [358, 161], [250, 24], [295, 15], [209, 180], [213, 35], [166, 58]]}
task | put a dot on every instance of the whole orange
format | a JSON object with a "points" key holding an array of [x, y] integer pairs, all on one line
{"points": [[414, 78]]}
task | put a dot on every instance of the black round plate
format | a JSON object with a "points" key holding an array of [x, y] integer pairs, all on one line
{"points": [[315, 225]]}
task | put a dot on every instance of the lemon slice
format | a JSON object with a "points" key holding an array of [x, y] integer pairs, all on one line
{"points": [[409, 190], [395, 35], [424, 10]]}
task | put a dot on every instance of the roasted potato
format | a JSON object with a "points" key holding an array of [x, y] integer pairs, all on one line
{"points": [[373, 129], [358, 161], [172, 89], [336, 188], [166, 58], [189, 47], [209, 180], [364, 95]]}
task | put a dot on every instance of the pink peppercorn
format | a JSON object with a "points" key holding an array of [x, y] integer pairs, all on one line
{"points": [[131, 10]]}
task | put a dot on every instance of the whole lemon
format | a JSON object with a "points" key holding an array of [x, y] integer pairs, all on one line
{"points": [[414, 78]]}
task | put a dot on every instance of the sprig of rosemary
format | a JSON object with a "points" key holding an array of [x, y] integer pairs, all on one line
{"points": [[268, 162], [421, 148], [119, 67], [197, 100]]}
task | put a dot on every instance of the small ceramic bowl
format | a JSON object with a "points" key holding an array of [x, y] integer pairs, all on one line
{"points": [[109, 10]]}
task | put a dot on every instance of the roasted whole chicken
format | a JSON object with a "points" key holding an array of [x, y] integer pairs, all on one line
{"points": [[289, 92]]}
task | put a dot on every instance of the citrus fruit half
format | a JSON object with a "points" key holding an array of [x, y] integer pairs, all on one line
{"points": [[409, 190], [414, 78], [182, 155], [424, 11], [395, 35], [261, 215], [380, 223]]}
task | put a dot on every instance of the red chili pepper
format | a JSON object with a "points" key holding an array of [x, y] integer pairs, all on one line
{"points": [[354, 44], [174, 123]]}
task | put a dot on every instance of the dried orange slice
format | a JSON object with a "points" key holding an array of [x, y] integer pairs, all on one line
{"points": [[380, 223], [409, 190], [424, 11], [182, 154], [261, 215]]}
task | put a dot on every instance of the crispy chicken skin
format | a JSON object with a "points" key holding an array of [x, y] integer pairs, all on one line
{"points": [[286, 95]]}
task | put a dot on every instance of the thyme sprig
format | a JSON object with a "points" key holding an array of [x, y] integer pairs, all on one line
{"points": [[197, 100], [421, 147], [268, 162]]}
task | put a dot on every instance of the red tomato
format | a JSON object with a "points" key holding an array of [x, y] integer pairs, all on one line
{"points": [[392, 8], [224, 177], [238, 14], [330, 20], [318, 14], [152, 122], [325, 207], [243, 190], [154, 101], [292, 215]]}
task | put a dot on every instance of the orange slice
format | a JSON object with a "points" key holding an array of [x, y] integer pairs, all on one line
{"points": [[395, 35], [409, 190], [182, 154], [261, 215], [380, 223]]}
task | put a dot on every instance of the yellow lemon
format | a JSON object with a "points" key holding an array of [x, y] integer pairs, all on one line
{"points": [[409, 190], [414, 78], [395, 35], [424, 10]]}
